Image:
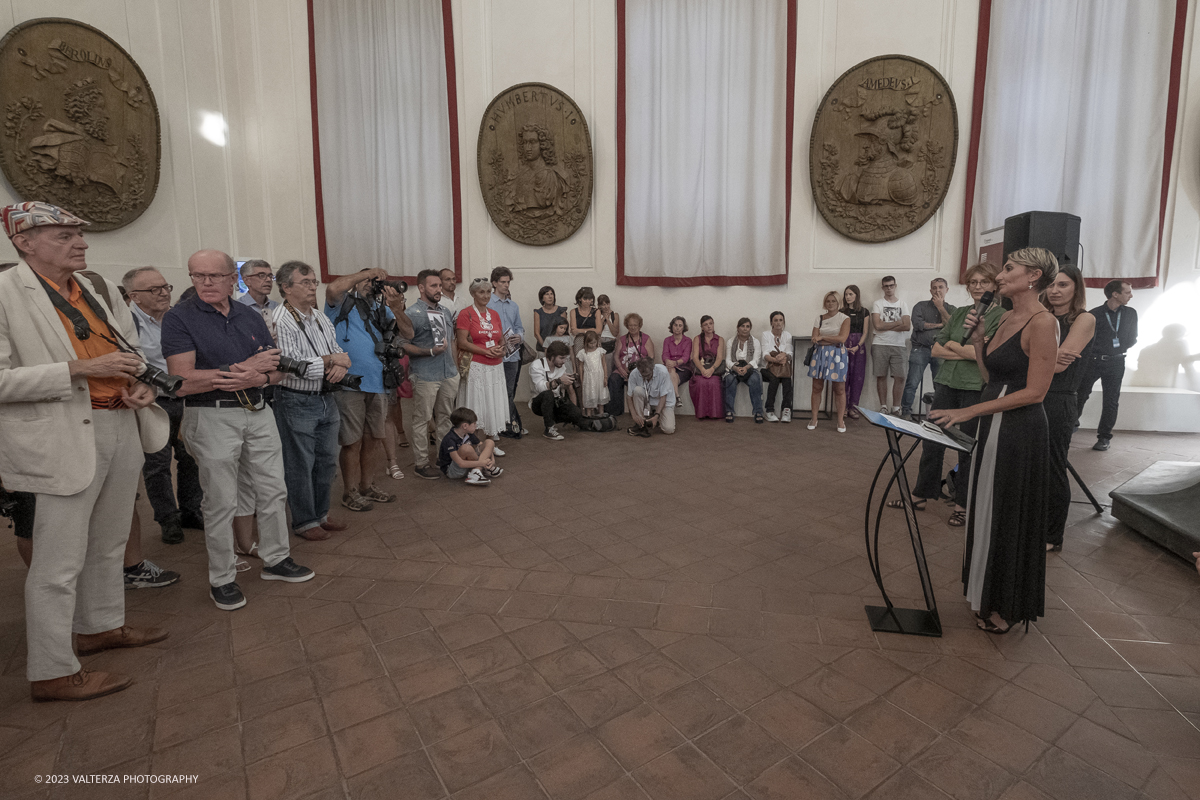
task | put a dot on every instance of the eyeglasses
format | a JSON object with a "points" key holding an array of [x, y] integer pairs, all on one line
{"points": [[308, 284], [979, 284], [260, 276], [166, 289], [209, 277]]}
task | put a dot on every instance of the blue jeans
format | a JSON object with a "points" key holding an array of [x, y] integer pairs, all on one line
{"points": [[753, 381], [308, 430], [918, 359]]}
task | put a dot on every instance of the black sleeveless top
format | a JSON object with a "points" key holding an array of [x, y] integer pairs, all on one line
{"points": [[858, 318], [588, 322], [1007, 365], [1069, 380]]}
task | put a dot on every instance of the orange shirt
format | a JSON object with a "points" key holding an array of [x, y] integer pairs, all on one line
{"points": [[102, 390]]}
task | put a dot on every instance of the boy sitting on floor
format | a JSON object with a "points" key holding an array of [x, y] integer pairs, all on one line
{"points": [[461, 456]]}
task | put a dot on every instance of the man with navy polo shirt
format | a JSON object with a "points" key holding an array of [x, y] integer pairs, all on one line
{"points": [[224, 352]]}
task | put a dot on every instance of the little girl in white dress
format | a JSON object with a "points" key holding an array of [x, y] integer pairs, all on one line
{"points": [[593, 368]]}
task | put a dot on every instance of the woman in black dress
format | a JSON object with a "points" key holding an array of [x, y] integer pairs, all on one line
{"points": [[1004, 565], [1065, 298]]}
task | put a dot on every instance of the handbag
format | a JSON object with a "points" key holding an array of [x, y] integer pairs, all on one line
{"points": [[783, 370], [808, 355], [528, 354], [464, 364]]}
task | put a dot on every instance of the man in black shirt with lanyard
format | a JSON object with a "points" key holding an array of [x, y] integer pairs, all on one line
{"points": [[1116, 332]]}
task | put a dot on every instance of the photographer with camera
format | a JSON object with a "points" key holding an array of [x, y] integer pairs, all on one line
{"points": [[434, 373], [226, 356], [150, 299], [368, 318], [73, 429], [305, 410]]}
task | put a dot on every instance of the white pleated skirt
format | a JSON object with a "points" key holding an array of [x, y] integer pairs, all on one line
{"points": [[486, 393]]}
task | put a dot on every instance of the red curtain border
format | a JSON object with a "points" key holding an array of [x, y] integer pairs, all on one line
{"points": [[789, 110], [455, 169], [982, 41]]}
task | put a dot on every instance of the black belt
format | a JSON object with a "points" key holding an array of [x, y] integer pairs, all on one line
{"points": [[1109, 358], [255, 398], [301, 391]]}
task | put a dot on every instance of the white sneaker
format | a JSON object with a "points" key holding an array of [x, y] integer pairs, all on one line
{"points": [[494, 472], [553, 434], [524, 432], [771, 417], [787, 415], [497, 452], [476, 478]]}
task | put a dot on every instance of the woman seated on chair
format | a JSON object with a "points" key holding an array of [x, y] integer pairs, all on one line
{"points": [[777, 367], [677, 356], [741, 366], [830, 331], [708, 361]]}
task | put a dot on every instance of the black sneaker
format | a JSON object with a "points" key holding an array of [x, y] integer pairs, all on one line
{"points": [[508, 433], [287, 570], [193, 522], [1101, 444], [227, 597], [429, 473], [148, 575], [172, 532]]}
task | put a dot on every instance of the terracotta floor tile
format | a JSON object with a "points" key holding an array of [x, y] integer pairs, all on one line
{"points": [[540, 726], [472, 756], [618, 646], [394, 624], [575, 768], [693, 708], [599, 699], [272, 694], [427, 679], [698, 655], [963, 678], [999, 740], [1162, 732], [281, 730], [512, 689], [353, 704], [347, 669], [852, 763], [930, 703], [413, 772], [1024, 709], [742, 749], [891, 729], [683, 774], [871, 670], [622, 789], [189, 720], [834, 693], [466, 631], [447, 714], [651, 675], [514, 783], [542, 638], [907, 785], [638, 735], [740, 683], [960, 772], [267, 662], [1125, 760], [207, 755], [102, 748], [1063, 776], [784, 662], [793, 779], [488, 658]]}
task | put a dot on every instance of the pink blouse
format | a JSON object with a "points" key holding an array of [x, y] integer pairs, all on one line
{"points": [[677, 352]]}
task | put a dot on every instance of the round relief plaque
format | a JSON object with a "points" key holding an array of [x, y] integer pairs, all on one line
{"points": [[535, 164], [81, 127], [882, 148]]}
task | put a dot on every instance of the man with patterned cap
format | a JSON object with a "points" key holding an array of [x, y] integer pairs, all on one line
{"points": [[73, 428]]}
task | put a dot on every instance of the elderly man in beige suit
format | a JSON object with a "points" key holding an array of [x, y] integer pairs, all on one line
{"points": [[73, 428]]}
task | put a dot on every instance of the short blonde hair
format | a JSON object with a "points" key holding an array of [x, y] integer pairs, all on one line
{"points": [[1037, 258]]}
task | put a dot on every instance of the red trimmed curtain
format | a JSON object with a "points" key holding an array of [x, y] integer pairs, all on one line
{"points": [[383, 114], [704, 126]]}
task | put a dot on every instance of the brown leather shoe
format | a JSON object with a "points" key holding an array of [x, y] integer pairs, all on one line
{"points": [[124, 636], [83, 685], [331, 525], [317, 534]]}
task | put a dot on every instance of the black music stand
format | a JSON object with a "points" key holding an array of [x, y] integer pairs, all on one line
{"points": [[887, 618]]}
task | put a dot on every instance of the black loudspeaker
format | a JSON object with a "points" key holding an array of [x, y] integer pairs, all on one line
{"points": [[1053, 230]]}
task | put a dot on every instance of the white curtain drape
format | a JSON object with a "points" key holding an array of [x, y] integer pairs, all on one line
{"points": [[705, 125], [1073, 120], [384, 135]]}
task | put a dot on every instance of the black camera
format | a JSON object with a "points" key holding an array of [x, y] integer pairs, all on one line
{"points": [[163, 381], [8, 503], [293, 366], [347, 382], [389, 349], [377, 284]]}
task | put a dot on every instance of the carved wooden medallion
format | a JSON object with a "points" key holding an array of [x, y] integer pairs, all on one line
{"points": [[81, 126], [535, 164], [883, 147]]}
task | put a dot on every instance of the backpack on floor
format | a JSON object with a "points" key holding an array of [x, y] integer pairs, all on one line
{"points": [[602, 424]]}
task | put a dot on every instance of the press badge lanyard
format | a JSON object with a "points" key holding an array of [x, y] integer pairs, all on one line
{"points": [[1116, 328]]}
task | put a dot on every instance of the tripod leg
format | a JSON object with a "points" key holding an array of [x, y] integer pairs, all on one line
{"points": [[1091, 498]]}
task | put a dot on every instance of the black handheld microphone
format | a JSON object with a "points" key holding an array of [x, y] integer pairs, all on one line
{"points": [[983, 303]]}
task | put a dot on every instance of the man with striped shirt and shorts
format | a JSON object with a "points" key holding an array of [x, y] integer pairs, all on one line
{"points": [[305, 411]]}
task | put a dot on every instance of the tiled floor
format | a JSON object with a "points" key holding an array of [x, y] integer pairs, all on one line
{"points": [[679, 619]]}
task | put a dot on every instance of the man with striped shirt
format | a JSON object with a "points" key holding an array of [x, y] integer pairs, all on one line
{"points": [[305, 411]]}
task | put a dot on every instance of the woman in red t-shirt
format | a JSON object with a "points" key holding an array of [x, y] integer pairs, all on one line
{"points": [[478, 331]]}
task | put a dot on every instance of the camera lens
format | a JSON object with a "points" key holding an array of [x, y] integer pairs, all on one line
{"points": [[293, 366]]}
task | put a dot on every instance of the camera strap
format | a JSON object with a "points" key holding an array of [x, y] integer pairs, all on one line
{"points": [[83, 330]]}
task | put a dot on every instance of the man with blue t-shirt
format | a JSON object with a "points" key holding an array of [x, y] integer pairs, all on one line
{"points": [[361, 320]]}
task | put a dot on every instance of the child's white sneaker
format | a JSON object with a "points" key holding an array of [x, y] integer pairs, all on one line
{"points": [[787, 415], [771, 417], [476, 478]]}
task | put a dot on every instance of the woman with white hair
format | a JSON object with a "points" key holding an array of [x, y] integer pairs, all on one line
{"points": [[479, 332]]}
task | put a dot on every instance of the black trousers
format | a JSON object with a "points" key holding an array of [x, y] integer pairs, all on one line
{"points": [[1109, 373], [929, 475], [1061, 415], [616, 394], [773, 383], [556, 409], [157, 473], [512, 373]]}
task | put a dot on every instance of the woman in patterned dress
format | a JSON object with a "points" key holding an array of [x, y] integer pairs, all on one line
{"points": [[829, 363]]}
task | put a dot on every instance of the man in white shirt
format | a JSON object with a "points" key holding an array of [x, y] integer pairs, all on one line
{"points": [[890, 317], [256, 274], [552, 389], [449, 284], [150, 299], [651, 399]]}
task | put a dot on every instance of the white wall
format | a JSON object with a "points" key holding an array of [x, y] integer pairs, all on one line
{"points": [[244, 59], [254, 197]]}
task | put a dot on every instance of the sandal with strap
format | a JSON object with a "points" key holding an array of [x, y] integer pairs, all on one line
{"points": [[918, 505], [957, 519], [394, 471], [988, 626], [374, 493], [729, 416]]}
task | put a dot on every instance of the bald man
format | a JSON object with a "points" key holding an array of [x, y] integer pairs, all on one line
{"points": [[226, 356]]}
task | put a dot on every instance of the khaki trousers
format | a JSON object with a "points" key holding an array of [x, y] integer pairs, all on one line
{"points": [[231, 445], [430, 400], [75, 580]]}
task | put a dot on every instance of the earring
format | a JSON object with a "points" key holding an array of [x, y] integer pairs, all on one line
{"points": [[1030, 286]]}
